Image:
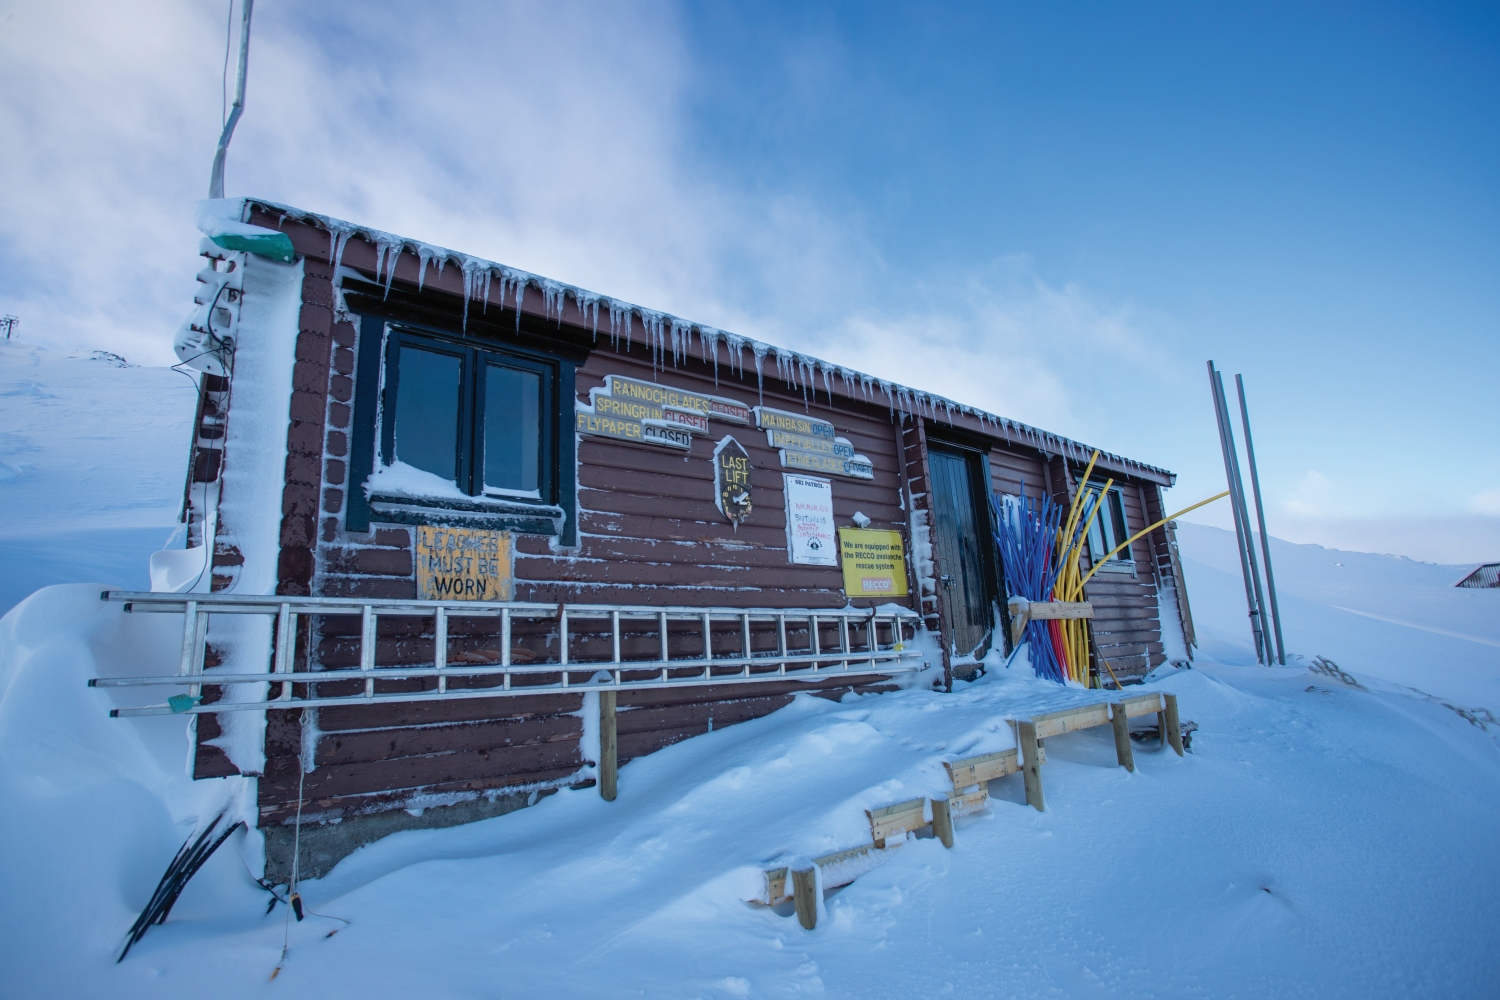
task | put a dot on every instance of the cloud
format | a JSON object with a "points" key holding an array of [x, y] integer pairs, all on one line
{"points": [[1487, 503]]}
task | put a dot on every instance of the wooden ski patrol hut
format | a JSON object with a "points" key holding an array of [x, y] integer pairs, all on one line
{"points": [[482, 481]]}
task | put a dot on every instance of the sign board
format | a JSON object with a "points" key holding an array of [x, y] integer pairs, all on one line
{"points": [[666, 397], [767, 418], [811, 444], [874, 562], [732, 480], [464, 564], [646, 413], [809, 521]]}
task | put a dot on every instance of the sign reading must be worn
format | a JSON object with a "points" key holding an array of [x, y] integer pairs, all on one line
{"points": [[464, 564], [874, 563]]}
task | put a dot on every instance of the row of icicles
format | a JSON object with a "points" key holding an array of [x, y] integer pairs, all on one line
{"points": [[665, 333]]}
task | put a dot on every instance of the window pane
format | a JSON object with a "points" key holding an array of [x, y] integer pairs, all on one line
{"points": [[1117, 512], [427, 397], [512, 429]]}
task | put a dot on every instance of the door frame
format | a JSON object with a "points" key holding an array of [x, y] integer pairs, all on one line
{"points": [[990, 573]]}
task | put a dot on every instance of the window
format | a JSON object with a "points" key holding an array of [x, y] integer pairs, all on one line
{"points": [[474, 418], [462, 431], [1109, 526]]}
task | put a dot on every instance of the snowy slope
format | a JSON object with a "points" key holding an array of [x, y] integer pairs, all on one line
{"points": [[1376, 615], [92, 460], [1321, 839]]}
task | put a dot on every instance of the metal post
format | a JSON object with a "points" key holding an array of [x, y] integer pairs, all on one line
{"points": [[216, 178], [1226, 445], [1239, 499], [1260, 517]]}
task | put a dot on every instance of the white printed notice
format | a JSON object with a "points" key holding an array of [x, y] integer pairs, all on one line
{"points": [[810, 538]]}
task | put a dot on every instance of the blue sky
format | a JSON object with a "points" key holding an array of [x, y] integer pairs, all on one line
{"points": [[1058, 212]]}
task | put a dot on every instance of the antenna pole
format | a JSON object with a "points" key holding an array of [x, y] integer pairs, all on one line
{"points": [[1242, 536], [1260, 517], [216, 181]]}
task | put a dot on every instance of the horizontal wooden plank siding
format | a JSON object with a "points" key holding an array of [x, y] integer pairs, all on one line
{"points": [[648, 533]]}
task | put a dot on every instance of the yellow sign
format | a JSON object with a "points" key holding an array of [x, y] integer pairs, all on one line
{"points": [[464, 564], [874, 563]]}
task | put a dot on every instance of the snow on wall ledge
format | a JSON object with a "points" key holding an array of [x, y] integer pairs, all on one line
{"points": [[253, 478], [666, 334]]}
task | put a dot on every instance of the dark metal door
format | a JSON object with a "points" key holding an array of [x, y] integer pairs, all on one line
{"points": [[960, 537]]}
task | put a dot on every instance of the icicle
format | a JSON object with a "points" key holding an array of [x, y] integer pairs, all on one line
{"points": [[518, 281], [682, 332], [736, 347], [476, 281], [760, 351], [708, 340], [655, 324], [426, 255], [619, 315], [339, 234], [388, 250], [827, 380], [553, 294], [588, 303]]}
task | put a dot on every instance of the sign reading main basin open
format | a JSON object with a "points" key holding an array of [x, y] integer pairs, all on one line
{"points": [[874, 564]]}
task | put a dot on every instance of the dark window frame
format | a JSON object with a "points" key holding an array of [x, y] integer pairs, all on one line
{"points": [[1113, 504], [375, 387], [474, 364]]}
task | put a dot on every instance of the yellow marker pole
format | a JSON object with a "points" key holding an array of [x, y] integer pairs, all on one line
{"points": [[1145, 531]]}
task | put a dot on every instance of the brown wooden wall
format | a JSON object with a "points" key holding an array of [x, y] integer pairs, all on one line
{"points": [[649, 533]]}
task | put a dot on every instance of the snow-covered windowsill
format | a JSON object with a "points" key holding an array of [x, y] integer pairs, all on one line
{"points": [[405, 494]]}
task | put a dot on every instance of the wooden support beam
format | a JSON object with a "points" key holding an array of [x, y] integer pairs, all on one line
{"points": [[942, 822], [1123, 751], [1022, 611], [1069, 720], [1031, 765], [1173, 727], [805, 896], [609, 745], [901, 818]]}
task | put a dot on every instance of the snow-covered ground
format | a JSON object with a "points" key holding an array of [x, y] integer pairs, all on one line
{"points": [[1321, 839], [92, 460]]}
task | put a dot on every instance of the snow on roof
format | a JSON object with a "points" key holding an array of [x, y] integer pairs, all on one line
{"points": [[666, 333]]}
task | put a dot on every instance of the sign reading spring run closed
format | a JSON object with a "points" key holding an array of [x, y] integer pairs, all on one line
{"points": [[809, 521], [874, 562], [648, 413], [463, 564]]}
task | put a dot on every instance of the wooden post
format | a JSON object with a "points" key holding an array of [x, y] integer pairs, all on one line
{"points": [[1123, 752], [1161, 726], [609, 770], [1032, 766], [805, 896], [1174, 725], [942, 821]]}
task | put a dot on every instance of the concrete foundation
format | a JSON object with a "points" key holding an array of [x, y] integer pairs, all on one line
{"points": [[324, 845]]}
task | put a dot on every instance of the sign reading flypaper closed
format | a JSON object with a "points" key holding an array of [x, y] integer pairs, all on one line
{"points": [[874, 563], [809, 521]]}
